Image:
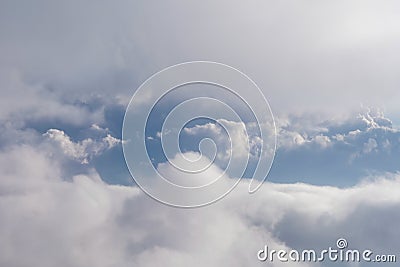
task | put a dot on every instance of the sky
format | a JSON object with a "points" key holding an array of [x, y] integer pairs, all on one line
{"points": [[68, 70]]}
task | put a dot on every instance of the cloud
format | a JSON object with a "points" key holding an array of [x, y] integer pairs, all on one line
{"points": [[313, 149], [67, 66], [238, 139], [347, 148], [345, 53], [51, 221], [25, 102], [370, 146], [83, 150], [87, 222], [202, 170]]}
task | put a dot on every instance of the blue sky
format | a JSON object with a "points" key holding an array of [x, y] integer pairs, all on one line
{"points": [[69, 69]]}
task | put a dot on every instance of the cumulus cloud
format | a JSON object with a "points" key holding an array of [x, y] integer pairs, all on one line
{"points": [[83, 150], [237, 140], [336, 151], [318, 150], [202, 170], [51, 221], [85, 222]]}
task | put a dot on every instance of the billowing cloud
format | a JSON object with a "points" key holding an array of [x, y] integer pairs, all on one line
{"points": [[336, 152], [83, 150], [85, 222], [313, 147], [238, 140]]}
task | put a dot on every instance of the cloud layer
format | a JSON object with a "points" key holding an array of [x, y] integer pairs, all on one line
{"points": [[81, 222], [316, 150], [305, 56], [68, 70]]}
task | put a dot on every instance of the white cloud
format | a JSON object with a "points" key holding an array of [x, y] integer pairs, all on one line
{"points": [[238, 140], [53, 222], [83, 150], [322, 140], [87, 222], [202, 170], [349, 148], [370, 146]]}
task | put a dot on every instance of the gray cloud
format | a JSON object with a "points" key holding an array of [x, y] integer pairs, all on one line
{"points": [[339, 54]]}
